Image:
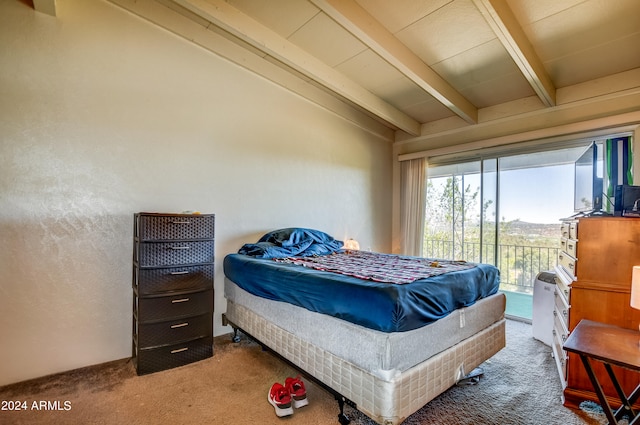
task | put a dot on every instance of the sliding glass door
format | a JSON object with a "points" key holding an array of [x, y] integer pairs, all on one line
{"points": [[453, 212], [504, 211]]}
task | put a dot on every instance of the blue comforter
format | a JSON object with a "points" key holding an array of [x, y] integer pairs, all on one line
{"points": [[292, 242]]}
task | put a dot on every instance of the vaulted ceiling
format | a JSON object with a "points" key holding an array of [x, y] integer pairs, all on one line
{"points": [[412, 63]]}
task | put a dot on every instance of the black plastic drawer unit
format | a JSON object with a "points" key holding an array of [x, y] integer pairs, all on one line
{"points": [[173, 297]]}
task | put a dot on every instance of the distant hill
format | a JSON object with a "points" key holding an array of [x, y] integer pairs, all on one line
{"points": [[530, 229]]}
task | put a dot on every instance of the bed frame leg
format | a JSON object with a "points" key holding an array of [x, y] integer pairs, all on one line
{"points": [[342, 418], [225, 322], [235, 338]]}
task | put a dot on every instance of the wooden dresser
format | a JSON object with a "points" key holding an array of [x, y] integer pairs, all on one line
{"points": [[173, 268], [598, 254]]}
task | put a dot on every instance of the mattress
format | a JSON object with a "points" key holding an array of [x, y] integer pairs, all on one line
{"points": [[376, 305], [383, 354]]}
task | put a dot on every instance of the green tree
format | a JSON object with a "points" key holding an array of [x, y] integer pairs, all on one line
{"points": [[452, 218]]}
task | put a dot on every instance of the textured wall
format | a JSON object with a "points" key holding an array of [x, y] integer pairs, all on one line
{"points": [[103, 115]]}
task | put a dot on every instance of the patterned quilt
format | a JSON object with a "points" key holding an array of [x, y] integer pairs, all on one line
{"points": [[388, 268]]}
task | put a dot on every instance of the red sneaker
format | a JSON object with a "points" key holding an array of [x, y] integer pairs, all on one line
{"points": [[280, 400], [298, 393]]}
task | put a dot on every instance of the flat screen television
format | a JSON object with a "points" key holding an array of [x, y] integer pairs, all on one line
{"points": [[589, 172]]}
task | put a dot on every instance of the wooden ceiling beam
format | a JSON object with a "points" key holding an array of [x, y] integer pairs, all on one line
{"points": [[231, 20], [374, 35], [508, 30]]}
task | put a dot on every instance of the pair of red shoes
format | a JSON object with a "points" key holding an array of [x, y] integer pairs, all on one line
{"points": [[285, 397]]}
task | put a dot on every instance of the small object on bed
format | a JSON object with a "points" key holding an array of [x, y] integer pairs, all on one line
{"points": [[351, 245]]}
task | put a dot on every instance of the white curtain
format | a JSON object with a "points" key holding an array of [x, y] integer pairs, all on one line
{"points": [[413, 193]]}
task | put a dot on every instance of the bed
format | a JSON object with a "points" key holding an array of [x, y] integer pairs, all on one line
{"points": [[386, 343]]}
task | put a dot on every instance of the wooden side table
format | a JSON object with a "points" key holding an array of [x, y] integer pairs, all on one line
{"points": [[611, 345]]}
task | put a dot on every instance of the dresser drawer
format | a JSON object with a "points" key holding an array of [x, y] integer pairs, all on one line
{"points": [[560, 357], [160, 227], [173, 331], [155, 359], [568, 263], [569, 229], [570, 246], [563, 290], [562, 303], [156, 254], [559, 327], [573, 230], [158, 280], [561, 311], [150, 309]]}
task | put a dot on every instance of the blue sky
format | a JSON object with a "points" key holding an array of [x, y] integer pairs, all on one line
{"points": [[537, 195]]}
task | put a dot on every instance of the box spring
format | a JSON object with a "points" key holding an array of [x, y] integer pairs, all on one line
{"points": [[389, 395]]}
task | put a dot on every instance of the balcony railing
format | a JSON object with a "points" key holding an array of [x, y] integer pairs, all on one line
{"points": [[518, 264]]}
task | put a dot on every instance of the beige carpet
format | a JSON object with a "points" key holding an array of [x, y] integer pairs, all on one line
{"points": [[520, 386]]}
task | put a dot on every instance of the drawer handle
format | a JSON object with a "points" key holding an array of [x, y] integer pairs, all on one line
{"points": [[179, 350], [180, 325], [181, 222], [181, 300], [570, 246], [554, 313], [177, 273], [180, 247], [565, 313]]}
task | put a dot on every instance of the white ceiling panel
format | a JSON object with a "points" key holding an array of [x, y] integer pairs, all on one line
{"points": [[282, 16], [581, 66], [529, 11], [430, 110], [471, 67], [396, 16], [402, 93], [448, 31], [334, 47], [504, 88], [369, 69], [590, 23]]}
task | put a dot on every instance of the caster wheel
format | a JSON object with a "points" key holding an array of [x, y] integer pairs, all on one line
{"points": [[236, 339], [343, 419]]}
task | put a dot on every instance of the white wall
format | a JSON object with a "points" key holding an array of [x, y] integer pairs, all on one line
{"points": [[103, 114]]}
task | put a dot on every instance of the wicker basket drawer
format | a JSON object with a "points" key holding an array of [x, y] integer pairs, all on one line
{"points": [[173, 307], [158, 227], [157, 254], [161, 358], [153, 281], [172, 331]]}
